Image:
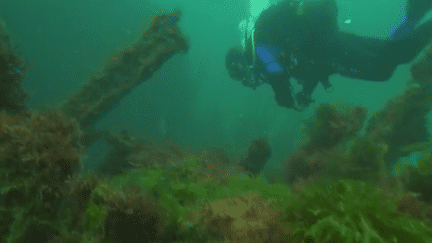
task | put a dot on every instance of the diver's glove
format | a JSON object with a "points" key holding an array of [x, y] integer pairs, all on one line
{"points": [[249, 80], [302, 101]]}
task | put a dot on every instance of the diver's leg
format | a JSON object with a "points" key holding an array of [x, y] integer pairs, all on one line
{"points": [[403, 30], [283, 90], [415, 11], [410, 46]]}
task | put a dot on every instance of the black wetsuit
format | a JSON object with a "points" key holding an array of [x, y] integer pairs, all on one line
{"points": [[306, 44]]}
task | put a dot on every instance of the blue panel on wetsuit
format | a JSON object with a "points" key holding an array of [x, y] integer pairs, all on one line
{"points": [[267, 54], [404, 29], [274, 67], [264, 54]]}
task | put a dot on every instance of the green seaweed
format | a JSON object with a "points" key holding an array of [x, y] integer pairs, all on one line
{"points": [[94, 217], [418, 175], [277, 193], [331, 211], [421, 146], [177, 189], [353, 211], [424, 164]]}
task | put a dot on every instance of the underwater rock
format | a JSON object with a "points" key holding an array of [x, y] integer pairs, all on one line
{"points": [[332, 126], [155, 154], [35, 230], [81, 188], [218, 167], [421, 69], [48, 144], [127, 151], [121, 148], [216, 155], [413, 206], [133, 216], [403, 121], [38, 154], [12, 68], [418, 182], [246, 218]]}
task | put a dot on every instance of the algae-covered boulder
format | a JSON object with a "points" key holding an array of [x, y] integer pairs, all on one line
{"points": [[12, 68], [47, 143], [327, 134], [245, 218]]}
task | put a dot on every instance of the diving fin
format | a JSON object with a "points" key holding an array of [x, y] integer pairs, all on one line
{"points": [[417, 9]]}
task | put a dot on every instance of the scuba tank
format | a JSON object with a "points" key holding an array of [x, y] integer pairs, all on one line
{"points": [[249, 46], [298, 7]]}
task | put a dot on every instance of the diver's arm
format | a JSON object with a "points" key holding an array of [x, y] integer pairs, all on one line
{"points": [[309, 87], [282, 89], [304, 97]]}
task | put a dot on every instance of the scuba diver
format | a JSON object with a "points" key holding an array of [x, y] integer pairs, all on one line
{"points": [[302, 40]]}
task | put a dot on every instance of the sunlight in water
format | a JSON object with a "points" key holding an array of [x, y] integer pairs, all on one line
{"points": [[255, 8]]}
